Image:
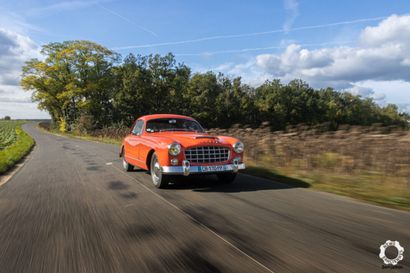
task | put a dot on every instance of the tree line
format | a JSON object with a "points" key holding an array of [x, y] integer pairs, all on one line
{"points": [[85, 86]]}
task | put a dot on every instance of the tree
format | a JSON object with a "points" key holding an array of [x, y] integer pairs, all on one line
{"points": [[73, 79], [150, 84], [7, 118], [84, 86], [201, 96]]}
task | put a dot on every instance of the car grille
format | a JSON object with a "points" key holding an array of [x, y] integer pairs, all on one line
{"points": [[207, 154]]}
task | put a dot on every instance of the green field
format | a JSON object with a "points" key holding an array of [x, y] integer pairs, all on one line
{"points": [[14, 144], [8, 133]]}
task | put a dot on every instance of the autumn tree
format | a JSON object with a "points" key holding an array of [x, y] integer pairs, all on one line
{"points": [[73, 79]]}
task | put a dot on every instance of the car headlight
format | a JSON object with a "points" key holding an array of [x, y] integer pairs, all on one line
{"points": [[238, 147], [174, 149]]}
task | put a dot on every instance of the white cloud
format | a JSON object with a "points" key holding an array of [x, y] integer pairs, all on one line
{"points": [[367, 92], [22, 111], [404, 107], [16, 100], [361, 91], [394, 29], [15, 49], [397, 92], [382, 54]]}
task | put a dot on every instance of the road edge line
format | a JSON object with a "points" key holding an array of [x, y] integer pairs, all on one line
{"points": [[226, 241]]}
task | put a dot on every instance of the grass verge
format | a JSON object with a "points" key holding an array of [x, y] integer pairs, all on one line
{"points": [[89, 138], [388, 191], [13, 153], [46, 127]]}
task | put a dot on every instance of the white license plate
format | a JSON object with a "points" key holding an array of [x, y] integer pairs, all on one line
{"points": [[213, 168]]}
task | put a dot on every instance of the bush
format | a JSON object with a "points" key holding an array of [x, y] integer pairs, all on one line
{"points": [[85, 124]]}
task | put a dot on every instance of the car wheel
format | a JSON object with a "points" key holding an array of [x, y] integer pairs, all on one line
{"points": [[127, 166], [158, 179], [226, 178]]}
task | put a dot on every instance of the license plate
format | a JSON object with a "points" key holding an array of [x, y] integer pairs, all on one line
{"points": [[213, 168]]}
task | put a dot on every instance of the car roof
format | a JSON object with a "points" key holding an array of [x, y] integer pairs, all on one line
{"points": [[156, 116]]}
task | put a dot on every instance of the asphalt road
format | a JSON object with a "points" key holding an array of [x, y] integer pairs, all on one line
{"points": [[72, 209]]}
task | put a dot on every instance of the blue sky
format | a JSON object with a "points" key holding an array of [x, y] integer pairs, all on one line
{"points": [[359, 46]]}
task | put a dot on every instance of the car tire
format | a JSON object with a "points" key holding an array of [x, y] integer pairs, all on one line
{"points": [[158, 178], [226, 178], [127, 166]]}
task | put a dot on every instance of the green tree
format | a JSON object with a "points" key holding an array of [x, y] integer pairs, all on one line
{"points": [[201, 96], [73, 79], [150, 84]]}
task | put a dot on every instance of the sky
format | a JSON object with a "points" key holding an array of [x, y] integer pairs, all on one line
{"points": [[358, 46]]}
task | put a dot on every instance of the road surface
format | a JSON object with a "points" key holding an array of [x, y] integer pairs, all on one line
{"points": [[72, 209]]}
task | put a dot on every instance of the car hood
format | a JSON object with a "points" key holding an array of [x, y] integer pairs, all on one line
{"points": [[195, 139]]}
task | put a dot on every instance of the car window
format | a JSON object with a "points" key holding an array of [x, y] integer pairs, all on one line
{"points": [[173, 124], [138, 127]]}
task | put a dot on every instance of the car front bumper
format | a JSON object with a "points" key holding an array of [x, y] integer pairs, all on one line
{"points": [[187, 169]]}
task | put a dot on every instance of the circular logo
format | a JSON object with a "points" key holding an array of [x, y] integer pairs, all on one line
{"points": [[400, 251]]}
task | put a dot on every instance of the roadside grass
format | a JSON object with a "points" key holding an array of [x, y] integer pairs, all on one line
{"points": [[89, 138], [15, 151], [47, 127], [389, 191]]}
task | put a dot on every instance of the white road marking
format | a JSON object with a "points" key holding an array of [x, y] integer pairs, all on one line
{"points": [[199, 222], [108, 163]]}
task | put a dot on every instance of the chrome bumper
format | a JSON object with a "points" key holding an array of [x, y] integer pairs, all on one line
{"points": [[187, 169]]}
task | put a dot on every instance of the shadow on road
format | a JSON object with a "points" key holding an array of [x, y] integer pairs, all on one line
{"points": [[242, 183], [118, 185]]}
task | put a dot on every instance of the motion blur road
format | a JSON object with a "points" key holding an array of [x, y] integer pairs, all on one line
{"points": [[72, 209]]}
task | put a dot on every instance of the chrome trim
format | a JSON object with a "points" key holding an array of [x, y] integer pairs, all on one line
{"points": [[195, 169], [186, 167], [233, 147], [236, 164], [208, 154], [174, 143]]}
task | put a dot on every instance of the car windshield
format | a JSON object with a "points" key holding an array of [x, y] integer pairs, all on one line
{"points": [[173, 124]]}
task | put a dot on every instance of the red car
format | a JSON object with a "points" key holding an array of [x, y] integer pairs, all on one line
{"points": [[168, 145]]}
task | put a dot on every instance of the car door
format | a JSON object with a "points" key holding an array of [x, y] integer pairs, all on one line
{"points": [[134, 141]]}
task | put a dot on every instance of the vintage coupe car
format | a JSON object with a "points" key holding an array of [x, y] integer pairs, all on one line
{"points": [[169, 145]]}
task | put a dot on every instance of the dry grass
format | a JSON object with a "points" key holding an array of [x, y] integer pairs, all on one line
{"points": [[372, 164]]}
